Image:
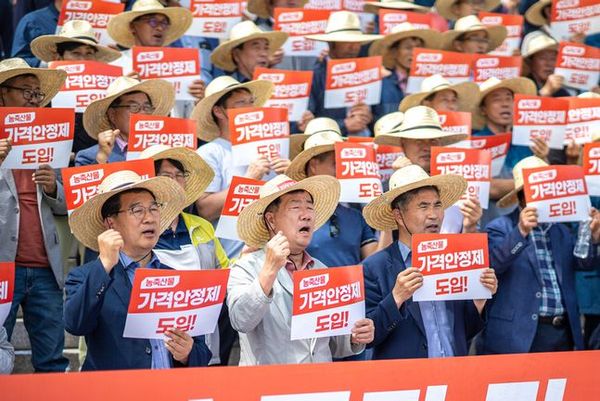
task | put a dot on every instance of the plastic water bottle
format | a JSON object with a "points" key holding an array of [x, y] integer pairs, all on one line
{"points": [[584, 237]]}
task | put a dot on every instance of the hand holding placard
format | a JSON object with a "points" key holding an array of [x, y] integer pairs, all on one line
{"points": [[258, 168], [110, 242], [106, 143], [407, 282], [363, 332], [46, 177], [179, 344], [528, 220], [472, 212]]}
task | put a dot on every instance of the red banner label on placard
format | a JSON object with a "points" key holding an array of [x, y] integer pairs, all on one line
{"points": [[353, 81], [591, 167], [539, 117], [497, 145], [146, 131], [501, 67], [327, 302], [187, 300], [451, 265], [455, 67], [558, 192], [7, 289], [86, 82], [38, 136], [242, 192], [583, 120], [97, 13], [389, 18], [569, 17], [455, 122], [514, 27], [292, 90], [357, 169], [81, 183], [298, 23], [215, 18], [579, 65], [474, 165], [385, 155]]}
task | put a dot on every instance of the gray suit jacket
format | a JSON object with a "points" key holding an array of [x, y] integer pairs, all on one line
{"points": [[9, 221]]}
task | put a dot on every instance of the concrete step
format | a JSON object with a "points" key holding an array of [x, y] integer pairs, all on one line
{"points": [[23, 361], [20, 339]]}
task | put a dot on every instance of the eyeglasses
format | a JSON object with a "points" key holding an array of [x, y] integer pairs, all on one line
{"points": [[139, 211], [178, 176], [135, 108], [28, 94], [334, 228], [156, 22]]}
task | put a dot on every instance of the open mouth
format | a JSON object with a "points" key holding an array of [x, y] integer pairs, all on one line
{"points": [[432, 228], [304, 230], [149, 232], [506, 114]]}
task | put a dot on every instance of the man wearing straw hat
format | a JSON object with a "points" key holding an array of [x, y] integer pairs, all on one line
{"points": [[441, 95], [396, 48], [344, 37], [415, 204], [453, 10], [107, 119], [123, 223], [535, 266], [281, 224], [29, 199], [471, 36]]}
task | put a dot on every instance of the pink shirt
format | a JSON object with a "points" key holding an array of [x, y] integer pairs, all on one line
{"points": [[307, 263]]}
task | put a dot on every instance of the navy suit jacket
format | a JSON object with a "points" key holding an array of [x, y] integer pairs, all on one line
{"points": [[513, 311], [399, 333], [96, 307]]}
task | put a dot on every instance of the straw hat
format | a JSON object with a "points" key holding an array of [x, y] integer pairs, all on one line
{"points": [[119, 26], [535, 42], [50, 80], [319, 124], [528, 162], [516, 85], [201, 174], [470, 23], [374, 6], [378, 213], [535, 14], [160, 92], [321, 139], [467, 93], [44, 47], [420, 122], [388, 125], [324, 189], [243, 32], [261, 8], [383, 47], [444, 8], [343, 26], [86, 221], [207, 128], [589, 95]]}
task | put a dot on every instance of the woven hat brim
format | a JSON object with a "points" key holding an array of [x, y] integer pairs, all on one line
{"points": [[118, 26], [222, 57], [160, 92], [86, 221], [467, 93], [432, 40], [297, 168], [378, 213], [510, 198], [515, 85], [50, 80], [260, 9], [349, 36], [496, 33], [325, 191], [444, 8], [297, 144], [206, 127], [374, 7], [395, 139], [534, 14], [201, 174], [44, 48]]}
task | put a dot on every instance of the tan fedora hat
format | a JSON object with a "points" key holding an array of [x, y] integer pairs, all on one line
{"points": [[520, 85], [261, 8], [324, 189], [535, 14], [320, 139], [241, 33], [467, 93], [374, 6], [119, 26], [388, 125], [470, 23], [343, 26], [378, 213], [160, 92], [420, 122], [444, 8], [50, 80], [200, 173], [535, 42], [207, 128], [44, 47], [86, 221], [383, 47], [529, 162]]}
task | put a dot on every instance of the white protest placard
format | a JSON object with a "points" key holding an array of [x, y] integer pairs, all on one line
{"points": [[389, 18], [455, 67], [327, 302], [358, 172], [38, 136], [97, 13], [298, 23], [7, 289], [352, 81], [451, 265], [455, 122], [539, 117], [258, 131], [497, 145], [291, 91], [570, 17], [579, 65], [146, 131], [86, 82], [161, 299], [502, 67], [591, 167], [385, 155], [558, 192], [514, 28], [583, 120], [214, 18], [242, 192]]}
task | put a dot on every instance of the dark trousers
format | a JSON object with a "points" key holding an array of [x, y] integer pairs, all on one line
{"points": [[549, 338], [591, 323]]}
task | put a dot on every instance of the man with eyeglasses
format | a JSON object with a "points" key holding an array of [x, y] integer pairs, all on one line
{"points": [[471, 36]]}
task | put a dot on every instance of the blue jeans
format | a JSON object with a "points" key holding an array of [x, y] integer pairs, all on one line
{"points": [[38, 294]]}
